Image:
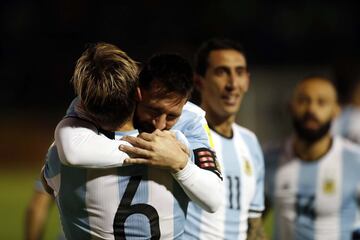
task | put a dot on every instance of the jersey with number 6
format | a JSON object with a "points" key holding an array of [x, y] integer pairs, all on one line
{"points": [[314, 200], [242, 167], [128, 202]]}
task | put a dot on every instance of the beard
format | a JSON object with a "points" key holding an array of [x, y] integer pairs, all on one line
{"points": [[310, 135]]}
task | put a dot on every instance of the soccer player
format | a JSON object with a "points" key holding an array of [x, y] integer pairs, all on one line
{"points": [[313, 180], [223, 79], [37, 213], [127, 201]]}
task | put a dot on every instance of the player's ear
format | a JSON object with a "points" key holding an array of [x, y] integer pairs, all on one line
{"points": [[138, 96]]}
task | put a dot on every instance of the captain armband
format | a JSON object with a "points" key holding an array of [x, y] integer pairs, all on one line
{"points": [[206, 159]]}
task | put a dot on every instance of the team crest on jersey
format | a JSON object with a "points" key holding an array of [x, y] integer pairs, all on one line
{"points": [[329, 186], [247, 167]]}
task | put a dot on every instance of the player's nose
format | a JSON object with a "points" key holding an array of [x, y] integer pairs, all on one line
{"points": [[312, 107], [160, 122], [232, 81]]}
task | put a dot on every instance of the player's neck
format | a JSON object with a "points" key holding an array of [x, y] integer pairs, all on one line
{"points": [[125, 126], [312, 151], [220, 124]]}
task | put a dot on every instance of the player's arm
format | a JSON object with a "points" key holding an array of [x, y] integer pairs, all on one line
{"points": [[202, 186], [161, 149], [79, 144], [37, 213], [255, 229], [203, 182]]}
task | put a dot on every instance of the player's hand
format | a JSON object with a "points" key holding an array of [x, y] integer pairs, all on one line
{"points": [[160, 149]]}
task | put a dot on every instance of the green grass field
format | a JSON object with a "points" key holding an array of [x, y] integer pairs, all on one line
{"points": [[18, 187]]}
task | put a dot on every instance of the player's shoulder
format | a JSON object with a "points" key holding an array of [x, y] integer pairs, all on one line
{"points": [[250, 140], [348, 146], [191, 115], [245, 132], [73, 121], [355, 111], [75, 125], [350, 154], [192, 109]]}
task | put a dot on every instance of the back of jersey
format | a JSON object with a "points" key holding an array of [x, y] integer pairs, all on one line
{"points": [[132, 202]]}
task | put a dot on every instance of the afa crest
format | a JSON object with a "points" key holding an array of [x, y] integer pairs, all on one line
{"points": [[247, 167], [329, 186]]}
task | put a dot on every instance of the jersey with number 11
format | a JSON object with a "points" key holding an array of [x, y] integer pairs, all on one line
{"points": [[242, 166]]}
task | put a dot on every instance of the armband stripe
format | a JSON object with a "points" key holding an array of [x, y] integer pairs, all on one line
{"points": [[205, 165], [206, 159]]}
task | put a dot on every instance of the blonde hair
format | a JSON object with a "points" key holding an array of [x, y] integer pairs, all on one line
{"points": [[105, 79]]}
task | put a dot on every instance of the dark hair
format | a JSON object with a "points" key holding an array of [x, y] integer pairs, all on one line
{"points": [[171, 71], [202, 54], [105, 79]]}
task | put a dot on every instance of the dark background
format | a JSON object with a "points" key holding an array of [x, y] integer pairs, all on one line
{"points": [[41, 40]]}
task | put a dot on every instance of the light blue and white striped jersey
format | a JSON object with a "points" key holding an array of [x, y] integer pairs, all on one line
{"points": [[108, 200], [348, 124], [242, 166], [133, 201], [316, 200]]}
